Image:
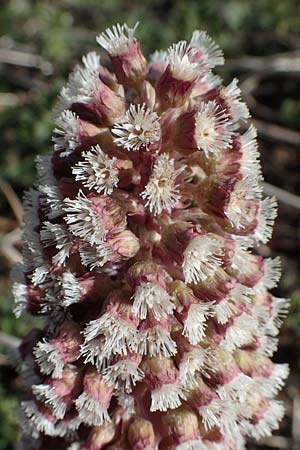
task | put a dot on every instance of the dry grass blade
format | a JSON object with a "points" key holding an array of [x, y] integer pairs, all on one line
{"points": [[12, 199]]}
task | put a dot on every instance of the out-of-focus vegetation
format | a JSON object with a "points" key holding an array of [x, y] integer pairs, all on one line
{"points": [[57, 32]]}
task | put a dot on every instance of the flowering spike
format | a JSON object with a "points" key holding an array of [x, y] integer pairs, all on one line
{"points": [[160, 326]]}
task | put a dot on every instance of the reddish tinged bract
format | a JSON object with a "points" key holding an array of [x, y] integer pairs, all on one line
{"points": [[137, 251]]}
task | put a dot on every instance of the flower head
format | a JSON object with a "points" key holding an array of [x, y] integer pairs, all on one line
{"points": [[209, 52], [162, 192], [211, 129], [138, 130], [97, 171], [117, 39], [180, 58]]}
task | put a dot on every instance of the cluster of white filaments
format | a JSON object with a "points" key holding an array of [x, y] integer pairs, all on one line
{"points": [[211, 54], [67, 135], [138, 251], [196, 321], [202, 257], [169, 396], [212, 132], [82, 84], [83, 221], [139, 128], [162, 192], [97, 171], [229, 306], [57, 235], [250, 155], [242, 205], [90, 411], [94, 256], [182, 63], [117, 39], [152, 297], [232, 95]]}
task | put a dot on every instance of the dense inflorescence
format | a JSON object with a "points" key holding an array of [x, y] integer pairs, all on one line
{"points": [[140, 251]]}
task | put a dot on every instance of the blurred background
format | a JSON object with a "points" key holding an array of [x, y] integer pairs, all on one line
{"points": [[40, 41]]}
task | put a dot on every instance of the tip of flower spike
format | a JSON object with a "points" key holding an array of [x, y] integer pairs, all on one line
{"points": [[117, 39], [176, 143]]}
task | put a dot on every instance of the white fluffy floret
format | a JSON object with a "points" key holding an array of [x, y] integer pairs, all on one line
{"points": [[48, 395], [162, 191], [120, 335], [138, 129], [97, 171], [242, 332], [66, 136], [156, 341], [91, 412], [182, 62], [117, 39], [82, 84], [212, 131], [168, 396], [266, 216], [49, 358], [210, 53], [232, 95], [83, 221], [55, 235], [202, 257], [152, 297], [123, 375], [195, 323]]}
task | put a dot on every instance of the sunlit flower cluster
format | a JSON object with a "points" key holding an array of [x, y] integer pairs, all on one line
{"points": [[138, 253]]}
